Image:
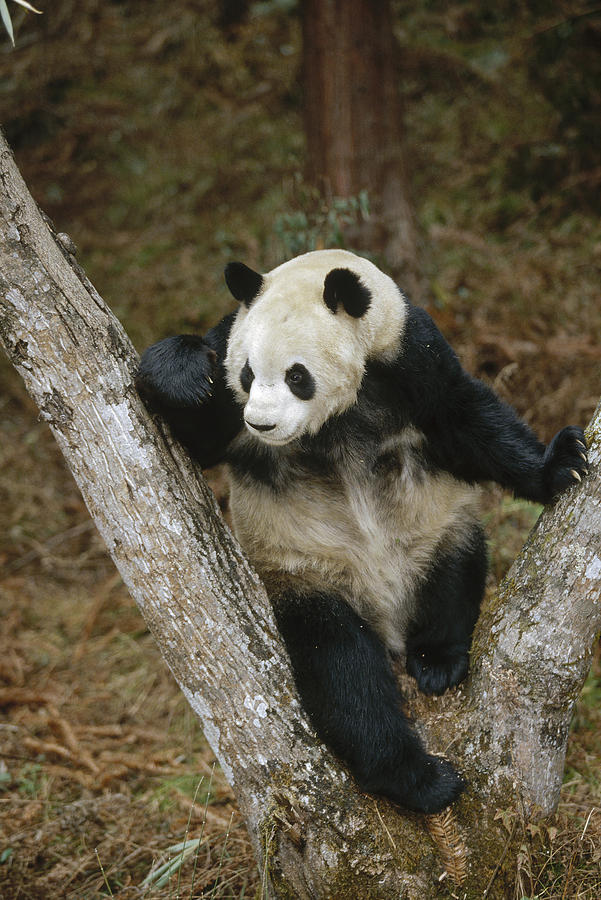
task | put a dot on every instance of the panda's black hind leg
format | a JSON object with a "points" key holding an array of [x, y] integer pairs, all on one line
{"points": [[439, 638], [347, 686]]}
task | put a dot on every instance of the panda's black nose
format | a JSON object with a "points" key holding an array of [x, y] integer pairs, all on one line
{"points": [[261, 427]]}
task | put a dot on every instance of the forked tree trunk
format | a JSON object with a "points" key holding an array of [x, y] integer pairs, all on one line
{"points": [[315, 835], [353, 120]]}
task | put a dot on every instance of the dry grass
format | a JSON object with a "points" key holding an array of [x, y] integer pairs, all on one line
{"points": [[102, 764]]}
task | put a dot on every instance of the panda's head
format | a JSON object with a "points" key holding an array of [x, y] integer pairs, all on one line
{"points": [[304, 332]]}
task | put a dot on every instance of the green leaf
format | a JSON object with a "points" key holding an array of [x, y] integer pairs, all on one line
{"points": [[158, 877], [28, 6], [7, 20]]}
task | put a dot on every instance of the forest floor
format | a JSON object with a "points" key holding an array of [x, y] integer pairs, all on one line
{"points": [[166, 147]]}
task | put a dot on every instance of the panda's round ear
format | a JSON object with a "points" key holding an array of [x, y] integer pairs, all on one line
{"points": [[343, 286], [244, 283]]}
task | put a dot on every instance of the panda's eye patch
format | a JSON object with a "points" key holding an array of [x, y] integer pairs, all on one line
{"points": [[300, 381], [247, 376]]}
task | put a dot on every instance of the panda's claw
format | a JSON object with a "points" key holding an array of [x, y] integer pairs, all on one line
{"points": [[565, 461]]}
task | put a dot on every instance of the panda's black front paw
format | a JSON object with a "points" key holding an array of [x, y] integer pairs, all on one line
{"points": [[566, 460], [437, 668], [177, 372]]}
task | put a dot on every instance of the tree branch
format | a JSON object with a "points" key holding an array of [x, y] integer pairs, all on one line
{"points": [[533, 646]]}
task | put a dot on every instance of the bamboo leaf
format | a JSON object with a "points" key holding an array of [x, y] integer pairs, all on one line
{"points": [[7, 20], [27, 6], [159, 876]]}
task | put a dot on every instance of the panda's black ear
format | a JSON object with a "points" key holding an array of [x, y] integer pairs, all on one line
{"points": [[244, 283], [343, 286]]}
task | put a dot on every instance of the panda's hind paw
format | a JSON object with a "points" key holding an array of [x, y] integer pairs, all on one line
{"points": [[436, 669], [420, 781], [437, 786]]}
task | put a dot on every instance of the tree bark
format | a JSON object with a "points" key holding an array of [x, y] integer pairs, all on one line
{"points": [[353, 120], [315, 835]]}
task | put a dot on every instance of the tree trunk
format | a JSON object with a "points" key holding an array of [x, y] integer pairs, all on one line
{"points": [[353, 120], [315, 835]]}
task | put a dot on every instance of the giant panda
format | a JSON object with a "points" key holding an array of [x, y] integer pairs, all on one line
{"points": [[355, 444]]}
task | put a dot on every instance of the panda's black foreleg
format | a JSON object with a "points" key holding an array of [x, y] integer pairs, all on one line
{"points": [[183, 379], [347, 686], [447, 606], [480, 438]]}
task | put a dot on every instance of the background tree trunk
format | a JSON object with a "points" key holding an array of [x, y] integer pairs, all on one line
{"points": [[314, 834], [353, 120]]}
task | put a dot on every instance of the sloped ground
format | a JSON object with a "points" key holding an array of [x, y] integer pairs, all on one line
{"points": [[167, 147]]}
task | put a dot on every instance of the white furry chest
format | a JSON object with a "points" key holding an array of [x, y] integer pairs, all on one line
{"points": [[367, 535]]}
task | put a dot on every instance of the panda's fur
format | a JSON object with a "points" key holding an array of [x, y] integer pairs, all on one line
{"points": [[366, 530], [355, 443]]}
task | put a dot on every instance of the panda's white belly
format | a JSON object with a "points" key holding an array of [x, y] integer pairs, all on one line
{"points": [[368, 535]]}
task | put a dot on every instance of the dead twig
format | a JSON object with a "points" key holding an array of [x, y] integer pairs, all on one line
{"points": [[100, 598], [17, 696]]}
